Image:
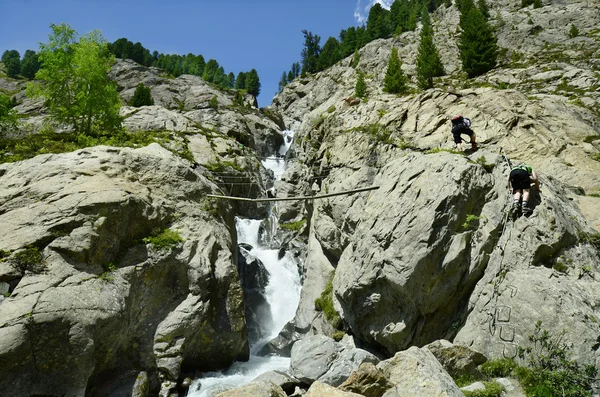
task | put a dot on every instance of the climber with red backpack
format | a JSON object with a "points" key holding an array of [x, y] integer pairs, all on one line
{"points": [[460, 126]]}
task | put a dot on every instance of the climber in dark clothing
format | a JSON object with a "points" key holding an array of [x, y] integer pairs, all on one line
{"points": [[460, 125], [520, 179]]}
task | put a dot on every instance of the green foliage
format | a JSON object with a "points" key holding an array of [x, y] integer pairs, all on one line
{"points": [[163, 240], [30, 64], [30, 259], [310, 52], [3, 255], [125, 49], [590, 238], [573, 32], [500, 368], [293, 226], [8, 117], [483, 162], [439, 150], [75, 81], [355, 59], [15, 149], [252, 83], [108, 269], [377, 132], [331, 109], [526, 3], [492, 389], [338, 335], [550, 372], [330, 54], [378, 23], [484, 8], [214, 104], [394, 82], [537, 4], [429, 63], [360, 89], [595, 156], [471, 222], [477, 44], [12, 62], [324, 304], [142, 96]]}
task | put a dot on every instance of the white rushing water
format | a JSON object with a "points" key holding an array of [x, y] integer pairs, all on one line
{"points": [[282, 293]]}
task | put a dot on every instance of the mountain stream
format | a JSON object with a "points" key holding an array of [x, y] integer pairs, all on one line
{"points": [[282, 293]]}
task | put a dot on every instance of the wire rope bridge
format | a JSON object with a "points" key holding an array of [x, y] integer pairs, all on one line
{"points": [[364, 189]]}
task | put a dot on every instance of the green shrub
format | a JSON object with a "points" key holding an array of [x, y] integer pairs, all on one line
{"points": [[500, 368], [325, 304], [293, 226], [591, 138], [492, 389], [29, 259], [214, 104], [331, 109], [108, 269], [550, 371], [483, 162], [360, 89], [142, 96], [471, 222], [17, 149], [439, 150], [573, 32], [4, 254], [163, 240]]}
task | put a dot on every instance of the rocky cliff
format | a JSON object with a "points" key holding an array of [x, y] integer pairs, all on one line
{"points": [[119, 274]]}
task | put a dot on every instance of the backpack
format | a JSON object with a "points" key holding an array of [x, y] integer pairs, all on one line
{"points": [[523, 167], [460, 123]]}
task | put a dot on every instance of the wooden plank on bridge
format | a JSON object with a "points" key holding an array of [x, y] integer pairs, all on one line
{"points": [[364, 189]]}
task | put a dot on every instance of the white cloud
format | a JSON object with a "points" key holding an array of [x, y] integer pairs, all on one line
{"points": [[361, 12]]}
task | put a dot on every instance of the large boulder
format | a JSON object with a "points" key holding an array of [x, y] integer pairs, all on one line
{"points": [[255, 389], [91, 295], [416, 372], [318, 357]]}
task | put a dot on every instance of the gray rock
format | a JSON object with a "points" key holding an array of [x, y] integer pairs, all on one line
{"points": [[70, 319], [416, 372], [318, 357], [255, 389], [284, 380], [457, 360], [367, 381], [473, 387], [319, 389]]}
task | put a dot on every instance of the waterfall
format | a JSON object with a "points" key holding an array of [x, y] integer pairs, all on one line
{"points": [[282, 294]]}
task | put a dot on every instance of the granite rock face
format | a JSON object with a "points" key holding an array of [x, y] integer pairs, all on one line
{"points": [[90, 296]]}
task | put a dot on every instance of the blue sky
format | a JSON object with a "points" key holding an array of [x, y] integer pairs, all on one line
{"points": [[239, 34]]}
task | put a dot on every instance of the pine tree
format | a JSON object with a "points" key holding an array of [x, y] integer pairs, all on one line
{"points": [[477, 44], [12, 62], [429, 64], [330, 54], [484, 8], [282, 82], [240, 81], [142, 96], [394, 81], [573, 32], [310, 52], [360, 89], [378, 22], [30, 64], [253, 83]]}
